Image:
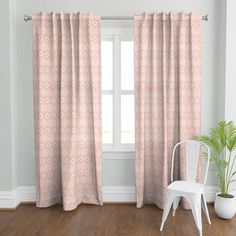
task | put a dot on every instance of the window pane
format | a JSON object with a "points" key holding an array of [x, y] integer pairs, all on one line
{"points": [[107, 118], [107, 64], [127, 118], [127, 65]]}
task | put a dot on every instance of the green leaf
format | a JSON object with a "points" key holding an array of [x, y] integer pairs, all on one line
{"points": [[231, 142], [218, 174], [230, 135], [221, 138], [234, 173], [231, 129], [207, 140]]}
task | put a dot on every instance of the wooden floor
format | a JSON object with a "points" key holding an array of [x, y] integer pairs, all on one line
{"points": [[108, 220]]}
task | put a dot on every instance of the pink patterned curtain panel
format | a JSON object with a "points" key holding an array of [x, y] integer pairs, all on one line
{"points": [[167, 96], [67, 108]]}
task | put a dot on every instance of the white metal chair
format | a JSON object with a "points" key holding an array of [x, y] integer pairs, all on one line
{"points": [[189, 189]]}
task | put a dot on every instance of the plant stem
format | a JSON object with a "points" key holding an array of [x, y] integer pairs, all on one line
{"points": [[227, 173], [230, 173], [222, 170]]}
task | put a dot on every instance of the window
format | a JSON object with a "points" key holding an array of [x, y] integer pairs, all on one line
{"points": [[107, 88], [117, 90], [127, 92]]}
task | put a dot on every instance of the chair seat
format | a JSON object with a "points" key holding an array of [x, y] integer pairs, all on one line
{"points": [[185, 186]]}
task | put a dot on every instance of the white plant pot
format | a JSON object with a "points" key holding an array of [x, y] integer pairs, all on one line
{"points": [[225, 207]]}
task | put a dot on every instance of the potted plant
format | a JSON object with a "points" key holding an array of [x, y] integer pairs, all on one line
{"points": [[222, 141]]}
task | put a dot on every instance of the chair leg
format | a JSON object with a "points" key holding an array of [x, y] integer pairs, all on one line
{"points": [[166, 211], [196, 210], [205, 209], [175, 205]]}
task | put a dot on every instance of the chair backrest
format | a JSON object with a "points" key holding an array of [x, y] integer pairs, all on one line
{"points": [[192, 154]]}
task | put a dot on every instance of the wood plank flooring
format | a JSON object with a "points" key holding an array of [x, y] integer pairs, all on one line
{"points": [[108, 220]]}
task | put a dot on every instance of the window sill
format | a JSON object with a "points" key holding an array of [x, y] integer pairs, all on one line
{"points": [[118, 155], [117, 148]]}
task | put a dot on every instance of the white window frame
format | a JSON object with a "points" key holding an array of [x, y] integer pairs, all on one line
{"points": [[116, 35]]}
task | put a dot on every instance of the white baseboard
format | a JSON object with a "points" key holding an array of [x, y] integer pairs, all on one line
{"points": [[7, 199], [11, 199], [119, 194], [26, 194], [210, 192]]}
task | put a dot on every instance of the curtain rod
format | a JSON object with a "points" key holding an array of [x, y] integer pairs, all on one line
{"points": [[28, 18]]}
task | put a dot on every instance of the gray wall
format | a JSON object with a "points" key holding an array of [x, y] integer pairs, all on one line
{"points": [[5, 100], [115, 172], [8, 86]]}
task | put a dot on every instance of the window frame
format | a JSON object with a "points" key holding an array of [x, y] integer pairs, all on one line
{"points": [[116, 35]]}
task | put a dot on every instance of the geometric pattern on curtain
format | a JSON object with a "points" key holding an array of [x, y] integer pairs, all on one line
{"points": [[167, 97], [67, 108]]}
